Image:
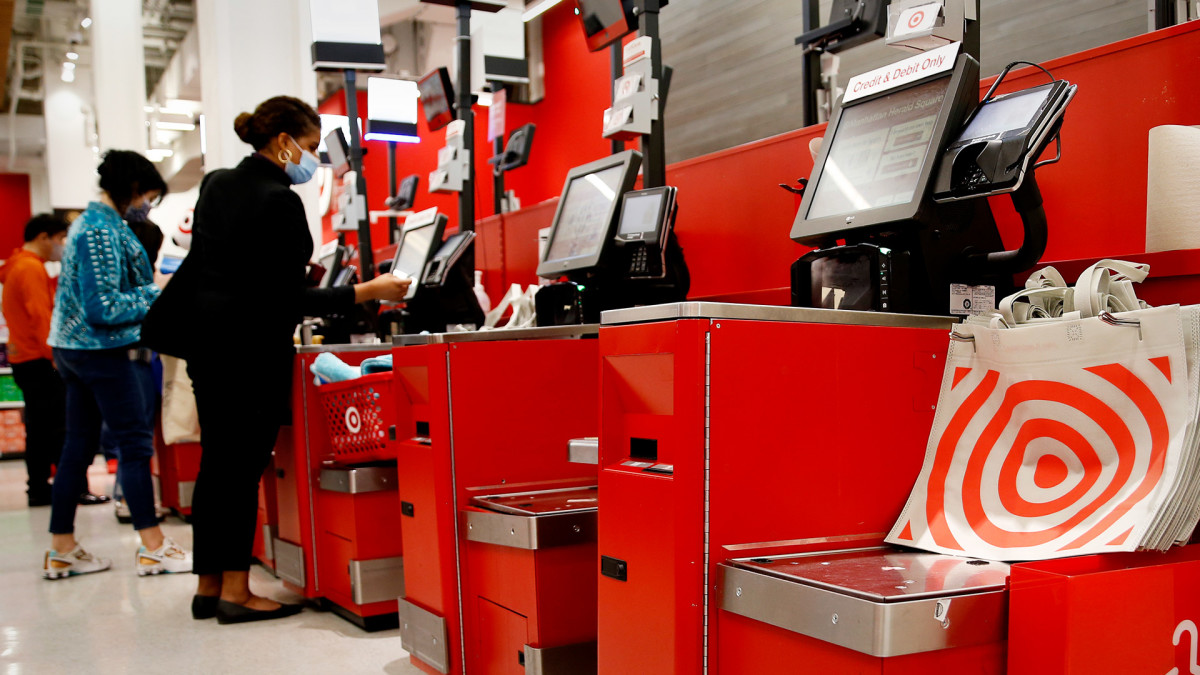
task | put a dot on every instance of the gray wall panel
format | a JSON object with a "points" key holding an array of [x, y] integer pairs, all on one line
{"points": [[737, 72]]}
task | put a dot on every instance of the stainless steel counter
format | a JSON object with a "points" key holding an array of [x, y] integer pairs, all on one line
{"points": [[341, 349], [722, 310], [546, 333]]}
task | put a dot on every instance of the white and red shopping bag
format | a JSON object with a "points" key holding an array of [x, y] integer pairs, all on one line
{"points": [[1063, 428]]}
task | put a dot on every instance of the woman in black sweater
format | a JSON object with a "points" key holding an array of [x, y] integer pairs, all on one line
{"points": [[231, 311]]}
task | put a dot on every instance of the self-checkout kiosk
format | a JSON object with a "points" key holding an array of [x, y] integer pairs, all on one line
{"points": [[744, 508], [615, 247], [497, 520], [598, 258], [894, 204]]}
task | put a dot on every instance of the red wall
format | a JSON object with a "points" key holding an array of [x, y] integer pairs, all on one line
{"points": [[14, 196], [568, 119]]}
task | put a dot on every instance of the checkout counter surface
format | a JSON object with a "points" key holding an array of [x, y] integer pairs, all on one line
{"points": [[340, 348], [722, 310], [544, 333]]}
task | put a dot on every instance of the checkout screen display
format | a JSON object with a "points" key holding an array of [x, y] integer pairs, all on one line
{"points": [[414, 251], [586, 213], [878, 151], [1011, 113], [640, 214]]}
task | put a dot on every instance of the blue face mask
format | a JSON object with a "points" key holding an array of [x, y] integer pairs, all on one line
{"points": [[305, 170], [137, 214]]}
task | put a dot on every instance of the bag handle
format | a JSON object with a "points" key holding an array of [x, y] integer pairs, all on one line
{"points": [[1107, 286], [1041, 303]]}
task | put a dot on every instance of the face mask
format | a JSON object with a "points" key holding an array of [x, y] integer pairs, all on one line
{"points": [[305, 170], [56, 252], [137, 214]]}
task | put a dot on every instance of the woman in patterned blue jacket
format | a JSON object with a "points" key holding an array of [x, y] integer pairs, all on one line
{"points": [[105, 288]]}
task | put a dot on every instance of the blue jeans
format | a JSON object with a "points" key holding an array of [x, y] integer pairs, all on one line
{"points": [[105, 386]]}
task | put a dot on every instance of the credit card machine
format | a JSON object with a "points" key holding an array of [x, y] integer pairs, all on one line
{"points": [[1000, 142], [647, 218], [448, 253]]}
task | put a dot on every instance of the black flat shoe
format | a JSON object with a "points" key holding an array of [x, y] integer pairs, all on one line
{"points": [[88, 499], [228, 612], [38, 500], [204, 606]]}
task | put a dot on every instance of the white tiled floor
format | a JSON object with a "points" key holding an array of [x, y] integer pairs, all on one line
{"points": [[115, 622]]}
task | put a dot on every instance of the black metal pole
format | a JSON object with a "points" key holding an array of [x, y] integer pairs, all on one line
{"points": [[393, 226], [617, 66], [810, 76], [971, 35], [366, 256], [498, 177], [498, 150], [466, 198], [1164, 14], [654, 146]]}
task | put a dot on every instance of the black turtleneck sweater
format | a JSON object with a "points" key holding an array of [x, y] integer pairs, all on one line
{"points": [[242, 288]]}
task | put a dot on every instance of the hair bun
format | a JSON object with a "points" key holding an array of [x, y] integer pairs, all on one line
{"points": [[242, 125]]}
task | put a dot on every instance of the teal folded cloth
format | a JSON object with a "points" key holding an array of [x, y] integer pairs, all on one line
{"points": [[377, 364], [329, 368]]}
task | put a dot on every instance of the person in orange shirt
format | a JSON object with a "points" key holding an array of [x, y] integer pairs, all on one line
{"points": [[27, 301]]}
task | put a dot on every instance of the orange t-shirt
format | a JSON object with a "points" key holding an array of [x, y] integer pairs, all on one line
{"points": [[27, 302]]}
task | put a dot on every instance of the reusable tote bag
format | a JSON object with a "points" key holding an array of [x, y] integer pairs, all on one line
{"points": [[1064, 426]]}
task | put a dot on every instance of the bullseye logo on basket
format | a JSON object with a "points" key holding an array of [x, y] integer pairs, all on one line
{"points": [[353, 420]]}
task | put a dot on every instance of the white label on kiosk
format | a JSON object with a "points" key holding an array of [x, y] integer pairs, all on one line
{"points": [[455, 129], [615, 118], [421, 217], [638, 50], [438, 178], [917, 20], [497, 113], [972, 300], [627, 86], [902, 73]]}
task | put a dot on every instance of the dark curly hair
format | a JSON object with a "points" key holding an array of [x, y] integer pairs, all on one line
{"points": [[274, 116], [124, 175], [45, 222]]}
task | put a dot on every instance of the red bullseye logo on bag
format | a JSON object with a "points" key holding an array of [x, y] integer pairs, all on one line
{"points": [[1036, 453], [353, 420]]}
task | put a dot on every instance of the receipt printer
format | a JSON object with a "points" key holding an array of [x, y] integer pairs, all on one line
{"points": [[858, 277]]}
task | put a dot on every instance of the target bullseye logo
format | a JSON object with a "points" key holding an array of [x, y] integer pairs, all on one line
{"points": [[353, 420], [916, 18], [1044, 465]]}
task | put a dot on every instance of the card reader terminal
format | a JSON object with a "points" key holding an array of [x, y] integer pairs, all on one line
{"points": [[647, 217], [1000, 141]]}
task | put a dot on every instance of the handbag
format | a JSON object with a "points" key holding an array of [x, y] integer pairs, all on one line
{"points": [[1065, 425]]}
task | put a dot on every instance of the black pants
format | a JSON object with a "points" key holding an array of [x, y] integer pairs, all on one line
{"points": [[238, 425], [45, 421]]}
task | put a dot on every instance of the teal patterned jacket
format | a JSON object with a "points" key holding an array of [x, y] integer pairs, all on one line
{"points": [[106, 285]]}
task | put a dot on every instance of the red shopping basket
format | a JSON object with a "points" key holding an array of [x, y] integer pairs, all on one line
{"points": [[358, 413]]}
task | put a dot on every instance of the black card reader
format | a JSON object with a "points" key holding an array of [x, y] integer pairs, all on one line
{"points": [[645, 225], [999, 142]]}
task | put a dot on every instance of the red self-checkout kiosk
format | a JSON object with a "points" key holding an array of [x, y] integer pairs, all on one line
{"points": [[497, 522]]}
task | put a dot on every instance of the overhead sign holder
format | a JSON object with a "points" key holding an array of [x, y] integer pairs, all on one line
{"points": [[346, 38], [346, 35], [466, 196]]}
